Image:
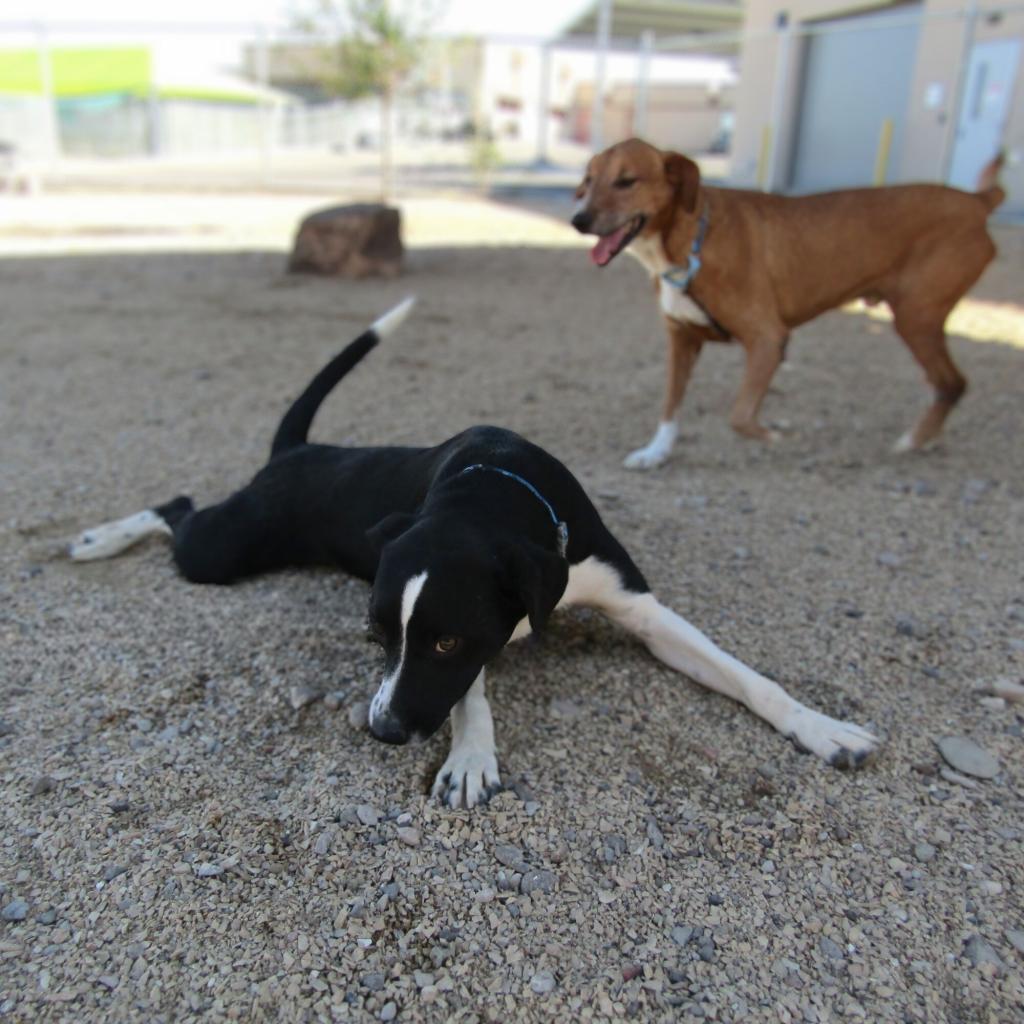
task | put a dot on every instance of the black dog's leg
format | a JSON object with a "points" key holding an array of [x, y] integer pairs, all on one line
{"points": [[109, 539]]}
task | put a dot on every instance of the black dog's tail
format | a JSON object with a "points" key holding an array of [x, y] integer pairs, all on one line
{"points": [[295, 425]]}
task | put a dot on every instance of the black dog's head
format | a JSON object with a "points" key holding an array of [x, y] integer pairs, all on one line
{"points": [[445, 601]]}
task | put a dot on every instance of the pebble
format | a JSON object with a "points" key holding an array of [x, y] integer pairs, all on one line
{"points": [[966, 756], [208, 870], [409, 836], [359, 714], [993, 703], [681, 934], [389, 1010], [111, 871], [48, 916], [831, 949], [6, 729], [108, 981], [300, 696], [16, 910], [323, 843], [1015, 936], [564, 707], [510, 856], [334, 700], [537, 881], [655, 835], [924, 852], [374, 981], [890, 559], [979, 952], [542, 982], [706, 947], [1008, 690], [44, 784], [367, 815]]}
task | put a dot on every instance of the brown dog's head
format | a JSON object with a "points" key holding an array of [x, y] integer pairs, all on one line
{"points": [[632, 188]]}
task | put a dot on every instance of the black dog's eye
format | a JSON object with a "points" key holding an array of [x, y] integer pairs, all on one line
{"points": [[625, 183], [446, 644]]}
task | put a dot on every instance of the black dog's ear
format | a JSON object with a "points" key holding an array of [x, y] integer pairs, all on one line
{"points": [[684, 176], [390, 527], [536, 578]]}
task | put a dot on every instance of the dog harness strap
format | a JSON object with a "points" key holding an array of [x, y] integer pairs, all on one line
{"points": [[690, 271], [561, 527]]}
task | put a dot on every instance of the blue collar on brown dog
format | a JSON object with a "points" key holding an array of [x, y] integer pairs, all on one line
{"points": [[682, 277]]}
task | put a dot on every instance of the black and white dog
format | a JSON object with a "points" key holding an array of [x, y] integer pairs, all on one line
{"points": [[469, 545]]}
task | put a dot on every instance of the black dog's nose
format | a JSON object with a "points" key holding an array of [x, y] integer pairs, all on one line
{"points": [[389, 729], [582, 221]]}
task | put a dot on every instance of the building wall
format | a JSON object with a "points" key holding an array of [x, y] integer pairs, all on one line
{"points": [[764, 101], [687, 117]]}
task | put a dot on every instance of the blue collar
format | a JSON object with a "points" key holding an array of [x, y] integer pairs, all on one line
{"points": [[682, 277], [560, 526]]}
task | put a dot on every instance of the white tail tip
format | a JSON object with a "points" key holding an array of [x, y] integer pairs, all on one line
{"points": [[392, 319]]}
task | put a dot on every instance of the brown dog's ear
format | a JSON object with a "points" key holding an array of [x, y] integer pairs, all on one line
{"points": [[536, 579], [684, 176]]}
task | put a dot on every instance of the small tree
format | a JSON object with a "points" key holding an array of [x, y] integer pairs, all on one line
{"points": [[371, 51]]}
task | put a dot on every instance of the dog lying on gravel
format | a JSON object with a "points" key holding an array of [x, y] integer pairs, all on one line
{"points": [[750, 266], [469, 545]]}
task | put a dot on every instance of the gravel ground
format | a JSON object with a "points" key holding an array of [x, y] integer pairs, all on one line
{"points": [[195, 825]]}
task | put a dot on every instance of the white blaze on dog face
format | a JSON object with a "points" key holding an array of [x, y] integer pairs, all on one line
{"points": [[382, 699]]}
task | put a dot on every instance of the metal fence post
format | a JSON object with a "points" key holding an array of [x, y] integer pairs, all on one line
{"points": [[51, 130], [643, 74], [779, 87], [543, 104], [604, 30], [266, 113]]}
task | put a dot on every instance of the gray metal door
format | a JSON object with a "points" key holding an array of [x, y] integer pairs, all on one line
{"points": [[988, 88], [857, 74]]}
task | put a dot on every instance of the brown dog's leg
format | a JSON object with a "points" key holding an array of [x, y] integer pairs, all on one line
{"points": [[685, 341], [763, 358], [928, 345]]}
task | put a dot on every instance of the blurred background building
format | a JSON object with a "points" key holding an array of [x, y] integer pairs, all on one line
{"points": [[801, 96]]}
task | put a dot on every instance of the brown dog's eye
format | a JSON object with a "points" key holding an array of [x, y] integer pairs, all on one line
{"points": [[446, 644], [625, 183]]}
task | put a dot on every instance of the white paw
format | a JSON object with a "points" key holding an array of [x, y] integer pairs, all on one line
{"points": [[841, 744], [112, 538], [657, 449], [647, 458], [467, 778], [904, 444], [101, 542]]}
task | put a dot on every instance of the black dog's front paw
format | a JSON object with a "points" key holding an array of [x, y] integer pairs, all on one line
{"points": [[467, 778]]}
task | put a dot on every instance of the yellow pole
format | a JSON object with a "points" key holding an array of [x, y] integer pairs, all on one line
{"points": [[882, 155], [762, 160]]}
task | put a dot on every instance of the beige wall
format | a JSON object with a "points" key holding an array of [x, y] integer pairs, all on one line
{"points": [[929, 133], [682, 117]]}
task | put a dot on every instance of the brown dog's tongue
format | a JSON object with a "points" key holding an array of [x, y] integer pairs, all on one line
{"points": [[607, 247]]}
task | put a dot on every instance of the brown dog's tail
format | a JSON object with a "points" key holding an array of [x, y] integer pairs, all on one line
{"points": [[990, 192]]}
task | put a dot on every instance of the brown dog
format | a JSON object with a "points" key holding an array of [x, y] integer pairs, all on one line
{"points": [[750, 266]]}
